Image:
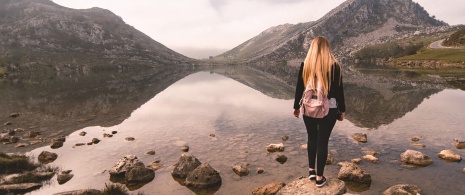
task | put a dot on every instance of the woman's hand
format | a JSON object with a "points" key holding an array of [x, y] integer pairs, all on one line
{"points": [[296, 113], [342, 117]]}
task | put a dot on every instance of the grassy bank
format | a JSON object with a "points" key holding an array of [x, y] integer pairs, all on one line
{"points": [[446, 55], [2, 71], [15, 164]]}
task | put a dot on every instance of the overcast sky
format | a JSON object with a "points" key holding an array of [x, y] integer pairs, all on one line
{"points": [[199, 28]]}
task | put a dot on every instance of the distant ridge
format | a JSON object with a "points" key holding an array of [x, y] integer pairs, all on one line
{"points": [[350, 26], [33, 31]]}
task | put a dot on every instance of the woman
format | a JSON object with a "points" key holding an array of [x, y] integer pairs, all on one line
{"points": [[320, 64]]}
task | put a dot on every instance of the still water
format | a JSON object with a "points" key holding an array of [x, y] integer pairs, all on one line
{"points": [[246, 112]]}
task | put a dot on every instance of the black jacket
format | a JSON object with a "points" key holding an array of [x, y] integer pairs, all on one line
{"points": [[336, 89]]}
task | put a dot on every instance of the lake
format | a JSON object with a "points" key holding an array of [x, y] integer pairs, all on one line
{"points": [[245, 110]]}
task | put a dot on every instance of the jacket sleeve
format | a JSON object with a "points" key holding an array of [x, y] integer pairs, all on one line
{"points": [[299, 89]]}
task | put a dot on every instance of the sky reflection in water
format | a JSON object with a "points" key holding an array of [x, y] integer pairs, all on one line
{"points": [[245, 121]]}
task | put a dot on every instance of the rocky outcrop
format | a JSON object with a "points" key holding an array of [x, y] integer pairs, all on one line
{"points": [[269, 189], [303, 186], [46, 157], [131, 171], [416, 158], [203, 177], [449, 155], [95, 33], [186, 164], [351, 172], [406, 189]]}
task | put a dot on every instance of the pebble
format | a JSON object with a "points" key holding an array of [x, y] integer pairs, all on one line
{"points": [[83, 133], [185, 148]]}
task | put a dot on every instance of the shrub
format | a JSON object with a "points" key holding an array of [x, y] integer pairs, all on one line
{"points": [[15, 164], [115, 189]]}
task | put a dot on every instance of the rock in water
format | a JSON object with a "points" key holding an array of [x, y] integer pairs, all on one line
{"points": [[370, 158], [185, 148], [271, 188], [403, 189], [281, 158], [351, 172], [360, 137], [139, 175], [124, 164], [416, 158], [204, 176], [458, 144], [56, 144], [81, 192], [64, 177], [19, 188], [186, 164], [275, 147], [303, 186], [46, 157], [241, 169], [450, 156]]}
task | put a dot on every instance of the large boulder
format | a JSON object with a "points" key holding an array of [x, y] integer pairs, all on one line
{"points": [[403, 189], [351, 172], [241, 169], [203, 177], [416, 158], [269, 189], [46, 157], [139, 175], [125, 164], [450, 156], [303, 186], [186, 164]]}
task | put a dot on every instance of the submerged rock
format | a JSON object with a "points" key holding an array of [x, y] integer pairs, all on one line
{"points": [[186, 164], [204, 176], [275, 147], [303, 186], [14, 115], [130, 139], [155, 165], [139, 175], [260, 170], [81, 192], [403, 189], [268, 189], [281, 158], [285, 138], [185, 148], [356, 161], [56, 144], [450, 156], [46, 157], [415, 158], [241, 169], [419, 145], [415, 139], [458, 144], [19, 188], [329, 159], [360, 137], [151, 152], [351, 172], [370, 158]]}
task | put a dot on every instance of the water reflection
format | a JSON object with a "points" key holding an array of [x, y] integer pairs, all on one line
{"points": [[245, 121]]}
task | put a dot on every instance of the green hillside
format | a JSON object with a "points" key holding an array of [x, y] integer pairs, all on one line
{"points": [[456, 39]]}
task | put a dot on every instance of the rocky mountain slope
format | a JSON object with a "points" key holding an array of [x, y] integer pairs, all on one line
{"points": [[350, 26], [40, 31]]}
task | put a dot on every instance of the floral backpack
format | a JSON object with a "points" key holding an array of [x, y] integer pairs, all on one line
{"points": [[314, 103]]}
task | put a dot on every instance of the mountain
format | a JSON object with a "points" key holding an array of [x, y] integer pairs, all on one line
{"points": [[40, 31], [350, 26]]}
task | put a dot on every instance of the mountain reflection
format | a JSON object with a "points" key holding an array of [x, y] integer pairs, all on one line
{"points": [[59, 105]]}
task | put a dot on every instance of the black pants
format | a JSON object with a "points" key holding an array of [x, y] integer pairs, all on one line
{"points": [[319, 130]]}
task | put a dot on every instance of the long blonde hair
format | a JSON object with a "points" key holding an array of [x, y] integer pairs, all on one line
{"points": [[318, 64]]}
